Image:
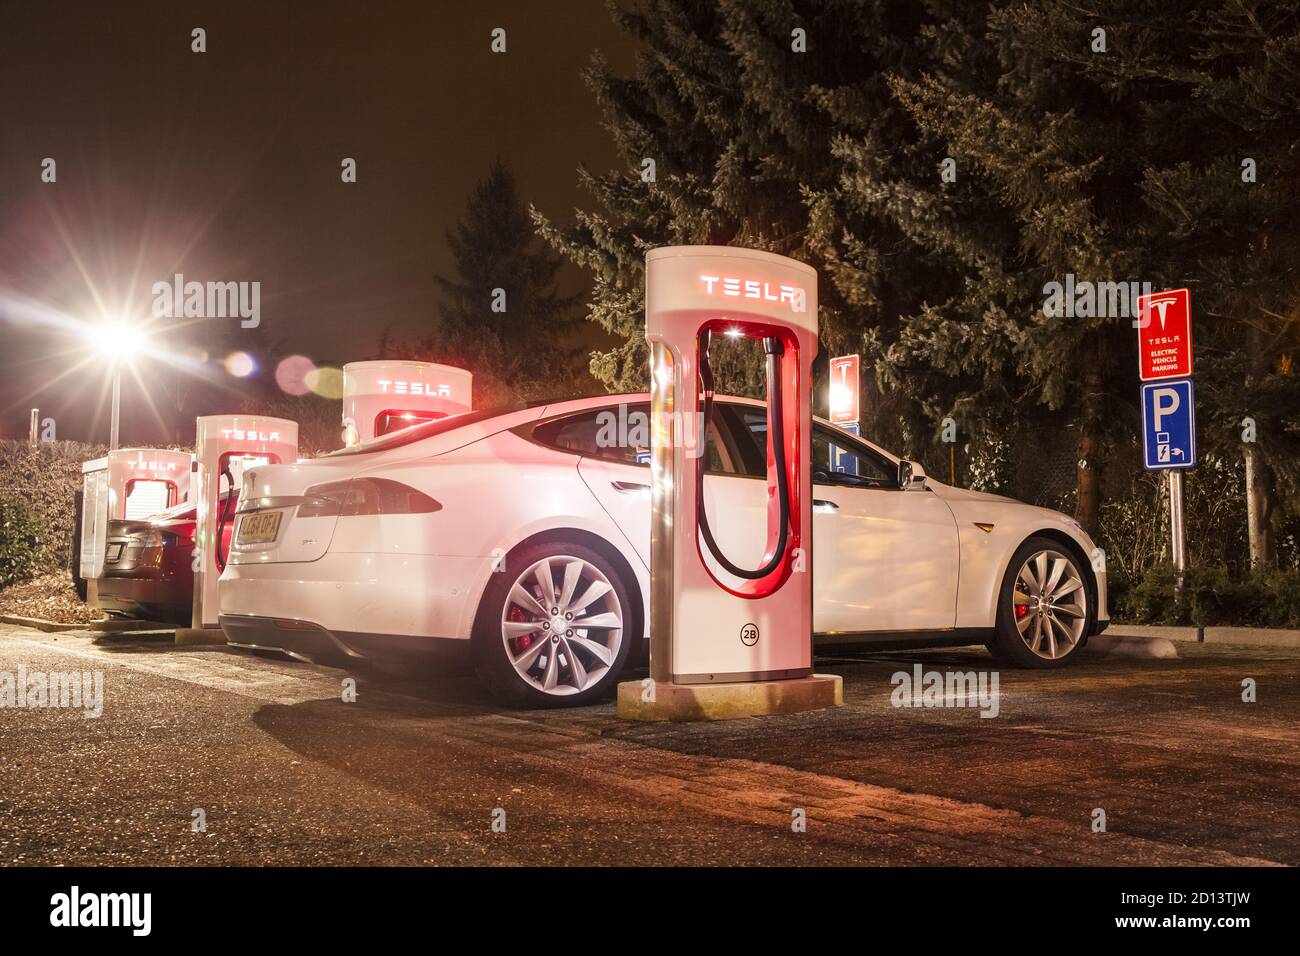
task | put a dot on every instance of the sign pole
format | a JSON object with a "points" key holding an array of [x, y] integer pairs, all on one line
{"points": [[1177, 549], [1168, 402]]}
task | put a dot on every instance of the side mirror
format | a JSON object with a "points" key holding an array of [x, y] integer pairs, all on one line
{"points": [[911, 476]]}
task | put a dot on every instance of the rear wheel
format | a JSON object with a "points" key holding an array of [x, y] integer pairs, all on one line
{"points": [[1044, 611], [553, 629]]}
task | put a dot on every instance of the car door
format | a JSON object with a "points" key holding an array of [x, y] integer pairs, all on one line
{"points": [[892, 556], [613, 442]]}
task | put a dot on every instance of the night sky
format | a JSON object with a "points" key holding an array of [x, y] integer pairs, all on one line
{"points": [[225, 165]]}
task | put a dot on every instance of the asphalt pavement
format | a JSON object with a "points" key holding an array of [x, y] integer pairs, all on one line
{"points": [[208, 755]]}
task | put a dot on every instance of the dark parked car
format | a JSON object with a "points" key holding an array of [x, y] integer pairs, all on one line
{"points": [[148, 563]]}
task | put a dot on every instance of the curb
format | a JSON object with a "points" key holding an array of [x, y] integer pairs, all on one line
{"points": [[40, 625], [1253, 636], [1258, 636], [1151, 631], [681, 702], [1125, 645], [107, 625]]}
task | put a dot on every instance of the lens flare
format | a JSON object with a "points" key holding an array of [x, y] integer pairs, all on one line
{"points": [[240, 364], [291, 374], [116, 341], [326, 382]]}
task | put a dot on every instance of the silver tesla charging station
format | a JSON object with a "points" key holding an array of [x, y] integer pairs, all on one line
{"points": [[225, 446], [731, 593]]}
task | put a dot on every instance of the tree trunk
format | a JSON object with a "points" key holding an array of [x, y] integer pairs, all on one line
{"points": [[1259, 477], [1259, 507], [1088, 475]]}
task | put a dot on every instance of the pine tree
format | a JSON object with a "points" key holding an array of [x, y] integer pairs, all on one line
{"points": [[1073, 154], [502, 316], [1118, 156], [1228, 214], [741, 127]]}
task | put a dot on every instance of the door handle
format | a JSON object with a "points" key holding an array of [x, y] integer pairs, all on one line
{"points": [[825, 505], [628, 487]]}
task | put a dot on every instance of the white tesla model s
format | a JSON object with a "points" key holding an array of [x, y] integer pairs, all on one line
{"points": [[525, 535]]}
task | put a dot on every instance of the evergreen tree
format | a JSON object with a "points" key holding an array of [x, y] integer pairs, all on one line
{"points": [[740, 119], [1227, 227], [1074, 153], [502, 316]]}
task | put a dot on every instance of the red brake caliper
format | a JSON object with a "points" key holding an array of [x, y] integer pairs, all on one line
{"points": [[523, 641], [1021, 609]]}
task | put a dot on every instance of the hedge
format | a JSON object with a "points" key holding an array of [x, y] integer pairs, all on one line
{"points": [[19, 543], [43, 477], [1211, 597]]}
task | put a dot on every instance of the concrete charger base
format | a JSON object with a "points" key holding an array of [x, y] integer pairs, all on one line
{"points": [[730, 701], [200, 635]]}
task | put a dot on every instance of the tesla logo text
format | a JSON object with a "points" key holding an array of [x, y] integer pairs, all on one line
{"points": [[739, 288], [1161, 306], [249, 434], [142, 465], [415, 388]]}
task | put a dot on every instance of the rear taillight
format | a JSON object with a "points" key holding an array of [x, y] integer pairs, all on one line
{"points": [[365, 496]]}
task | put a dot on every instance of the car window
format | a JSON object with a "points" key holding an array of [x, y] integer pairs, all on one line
{"points": [[748, 427], [619, 433], [833, 454]]}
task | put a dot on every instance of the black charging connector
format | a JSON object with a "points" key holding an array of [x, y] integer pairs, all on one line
{"points": [[774, 349]]}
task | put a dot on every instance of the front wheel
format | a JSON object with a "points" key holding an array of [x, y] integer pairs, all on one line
{"points": [[1043, 607], [553, 629]]}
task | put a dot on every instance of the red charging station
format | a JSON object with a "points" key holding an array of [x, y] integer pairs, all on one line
{"points": [[225, 447], [383, 396], [126, 483], [730, 635]]}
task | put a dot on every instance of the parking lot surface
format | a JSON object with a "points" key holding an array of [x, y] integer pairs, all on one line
{"points": [[423, 768]]}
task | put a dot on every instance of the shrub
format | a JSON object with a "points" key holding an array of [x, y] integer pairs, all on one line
{"points": [[1211, 596], [43, 479], [20, 543]]}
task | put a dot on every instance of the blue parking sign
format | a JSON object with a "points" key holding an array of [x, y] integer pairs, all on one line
{"points": [[843, 459], [1169, 424]]}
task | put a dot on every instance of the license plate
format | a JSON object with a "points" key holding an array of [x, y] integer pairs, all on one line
{"points": [[114, 553], [258, 527]]}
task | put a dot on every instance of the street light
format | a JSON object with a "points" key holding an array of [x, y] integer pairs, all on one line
{"points": [[117, 342]]}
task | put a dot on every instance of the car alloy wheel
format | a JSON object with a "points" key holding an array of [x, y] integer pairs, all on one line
{"points": [[1051, 604], [562, 625]]}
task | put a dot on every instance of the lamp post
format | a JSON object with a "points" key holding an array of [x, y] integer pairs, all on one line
{"points": [[117, 342], [115, 419]]}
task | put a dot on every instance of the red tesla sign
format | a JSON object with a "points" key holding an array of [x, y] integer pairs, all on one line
{"points": [[1165, 335], [844, 390]]}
